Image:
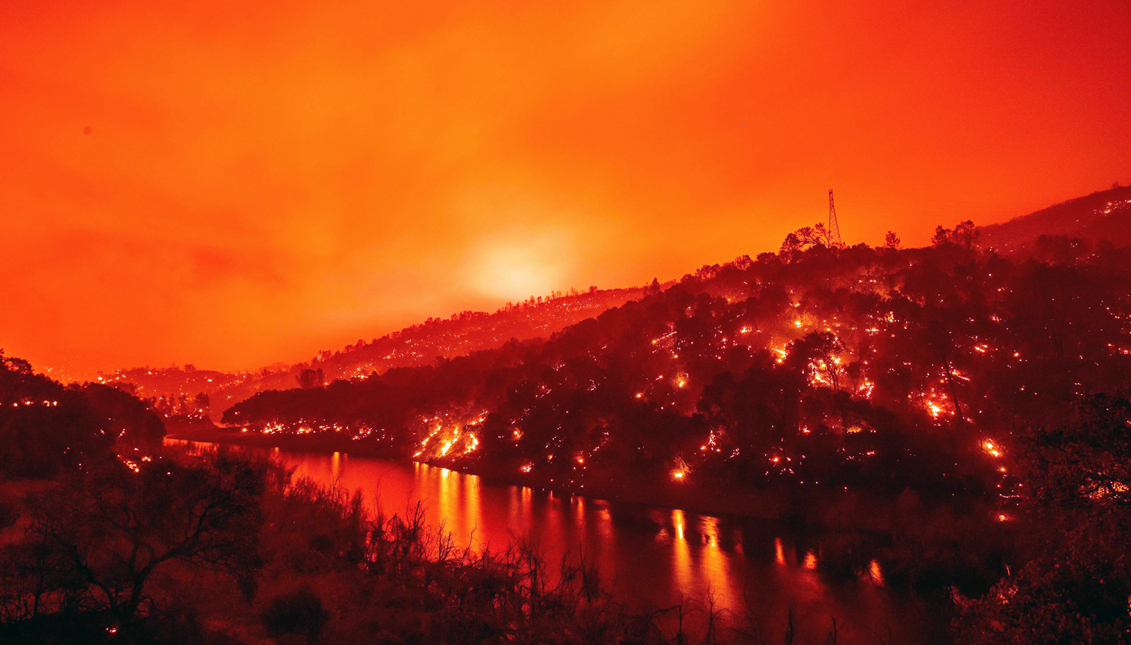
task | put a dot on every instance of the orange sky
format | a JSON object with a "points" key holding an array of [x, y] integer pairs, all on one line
{"points": [[261, 180]]}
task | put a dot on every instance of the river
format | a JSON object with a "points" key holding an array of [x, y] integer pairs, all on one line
{"points": [[754, 568]]}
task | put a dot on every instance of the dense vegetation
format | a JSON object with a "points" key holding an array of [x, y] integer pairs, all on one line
{"points": [[1072, 578], [949, 372], [224, 548], [981, 398], [1101, 218], [181, 388], [816, 368], [46, 427], [220, 548]]}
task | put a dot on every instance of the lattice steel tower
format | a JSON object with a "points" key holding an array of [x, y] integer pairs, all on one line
{"points": [[834, 227]]}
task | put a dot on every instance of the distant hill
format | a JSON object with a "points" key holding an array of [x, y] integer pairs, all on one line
{"points": [[47, 427], [1103, 215], [177, 388]]}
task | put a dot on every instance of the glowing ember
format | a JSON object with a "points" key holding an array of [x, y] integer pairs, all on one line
{"points": [[810, 561], [991, 448], [875, 573], [448, 445]]}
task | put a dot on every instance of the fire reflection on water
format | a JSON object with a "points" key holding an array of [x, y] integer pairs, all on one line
{"points": [[715, 567], [457, 502], [658, 555], [472, 509], [810, 561], [681, 553], [874, 572]]}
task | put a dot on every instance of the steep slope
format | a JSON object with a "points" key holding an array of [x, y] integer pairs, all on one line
{"points": [[855, 368], [1103, 215], [179, 390], [46, 427]]}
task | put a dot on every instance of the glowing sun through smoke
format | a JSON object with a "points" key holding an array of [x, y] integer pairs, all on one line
{"points": [[516, 266]]}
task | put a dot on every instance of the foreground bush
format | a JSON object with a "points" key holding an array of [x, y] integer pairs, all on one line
{"points": [[221, 548], [298, 612]]}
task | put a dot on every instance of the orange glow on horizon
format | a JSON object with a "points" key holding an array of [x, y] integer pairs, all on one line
{"points": [[233, 184]]}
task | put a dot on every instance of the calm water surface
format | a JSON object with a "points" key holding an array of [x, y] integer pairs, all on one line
{"points": [[650, 554]]}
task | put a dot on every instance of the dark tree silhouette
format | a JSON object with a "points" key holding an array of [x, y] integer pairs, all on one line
{"points": [[891, 241], [1075, 586], [309, 378], [45, 427], [96, 541], [964, 235], [126, 417]]}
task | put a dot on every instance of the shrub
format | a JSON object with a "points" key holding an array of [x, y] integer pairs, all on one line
{"points": [[8, 514], [297, 612]]}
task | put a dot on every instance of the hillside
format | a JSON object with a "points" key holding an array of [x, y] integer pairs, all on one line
{"points": [[1103, 215], [194, 393], [819, 369], [46, 427]]}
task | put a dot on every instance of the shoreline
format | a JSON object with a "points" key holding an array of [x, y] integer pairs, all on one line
{"points": [[817, 509]]}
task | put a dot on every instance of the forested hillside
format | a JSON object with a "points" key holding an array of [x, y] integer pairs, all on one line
{"points": [[821, 367], [187, 393], [1088, 221]]}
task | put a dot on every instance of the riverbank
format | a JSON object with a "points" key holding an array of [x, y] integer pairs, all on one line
{"points": [[926, 547], [813, 507]]}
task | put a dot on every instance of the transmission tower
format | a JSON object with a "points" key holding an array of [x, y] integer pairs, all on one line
{"points": [[834, 227]]}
